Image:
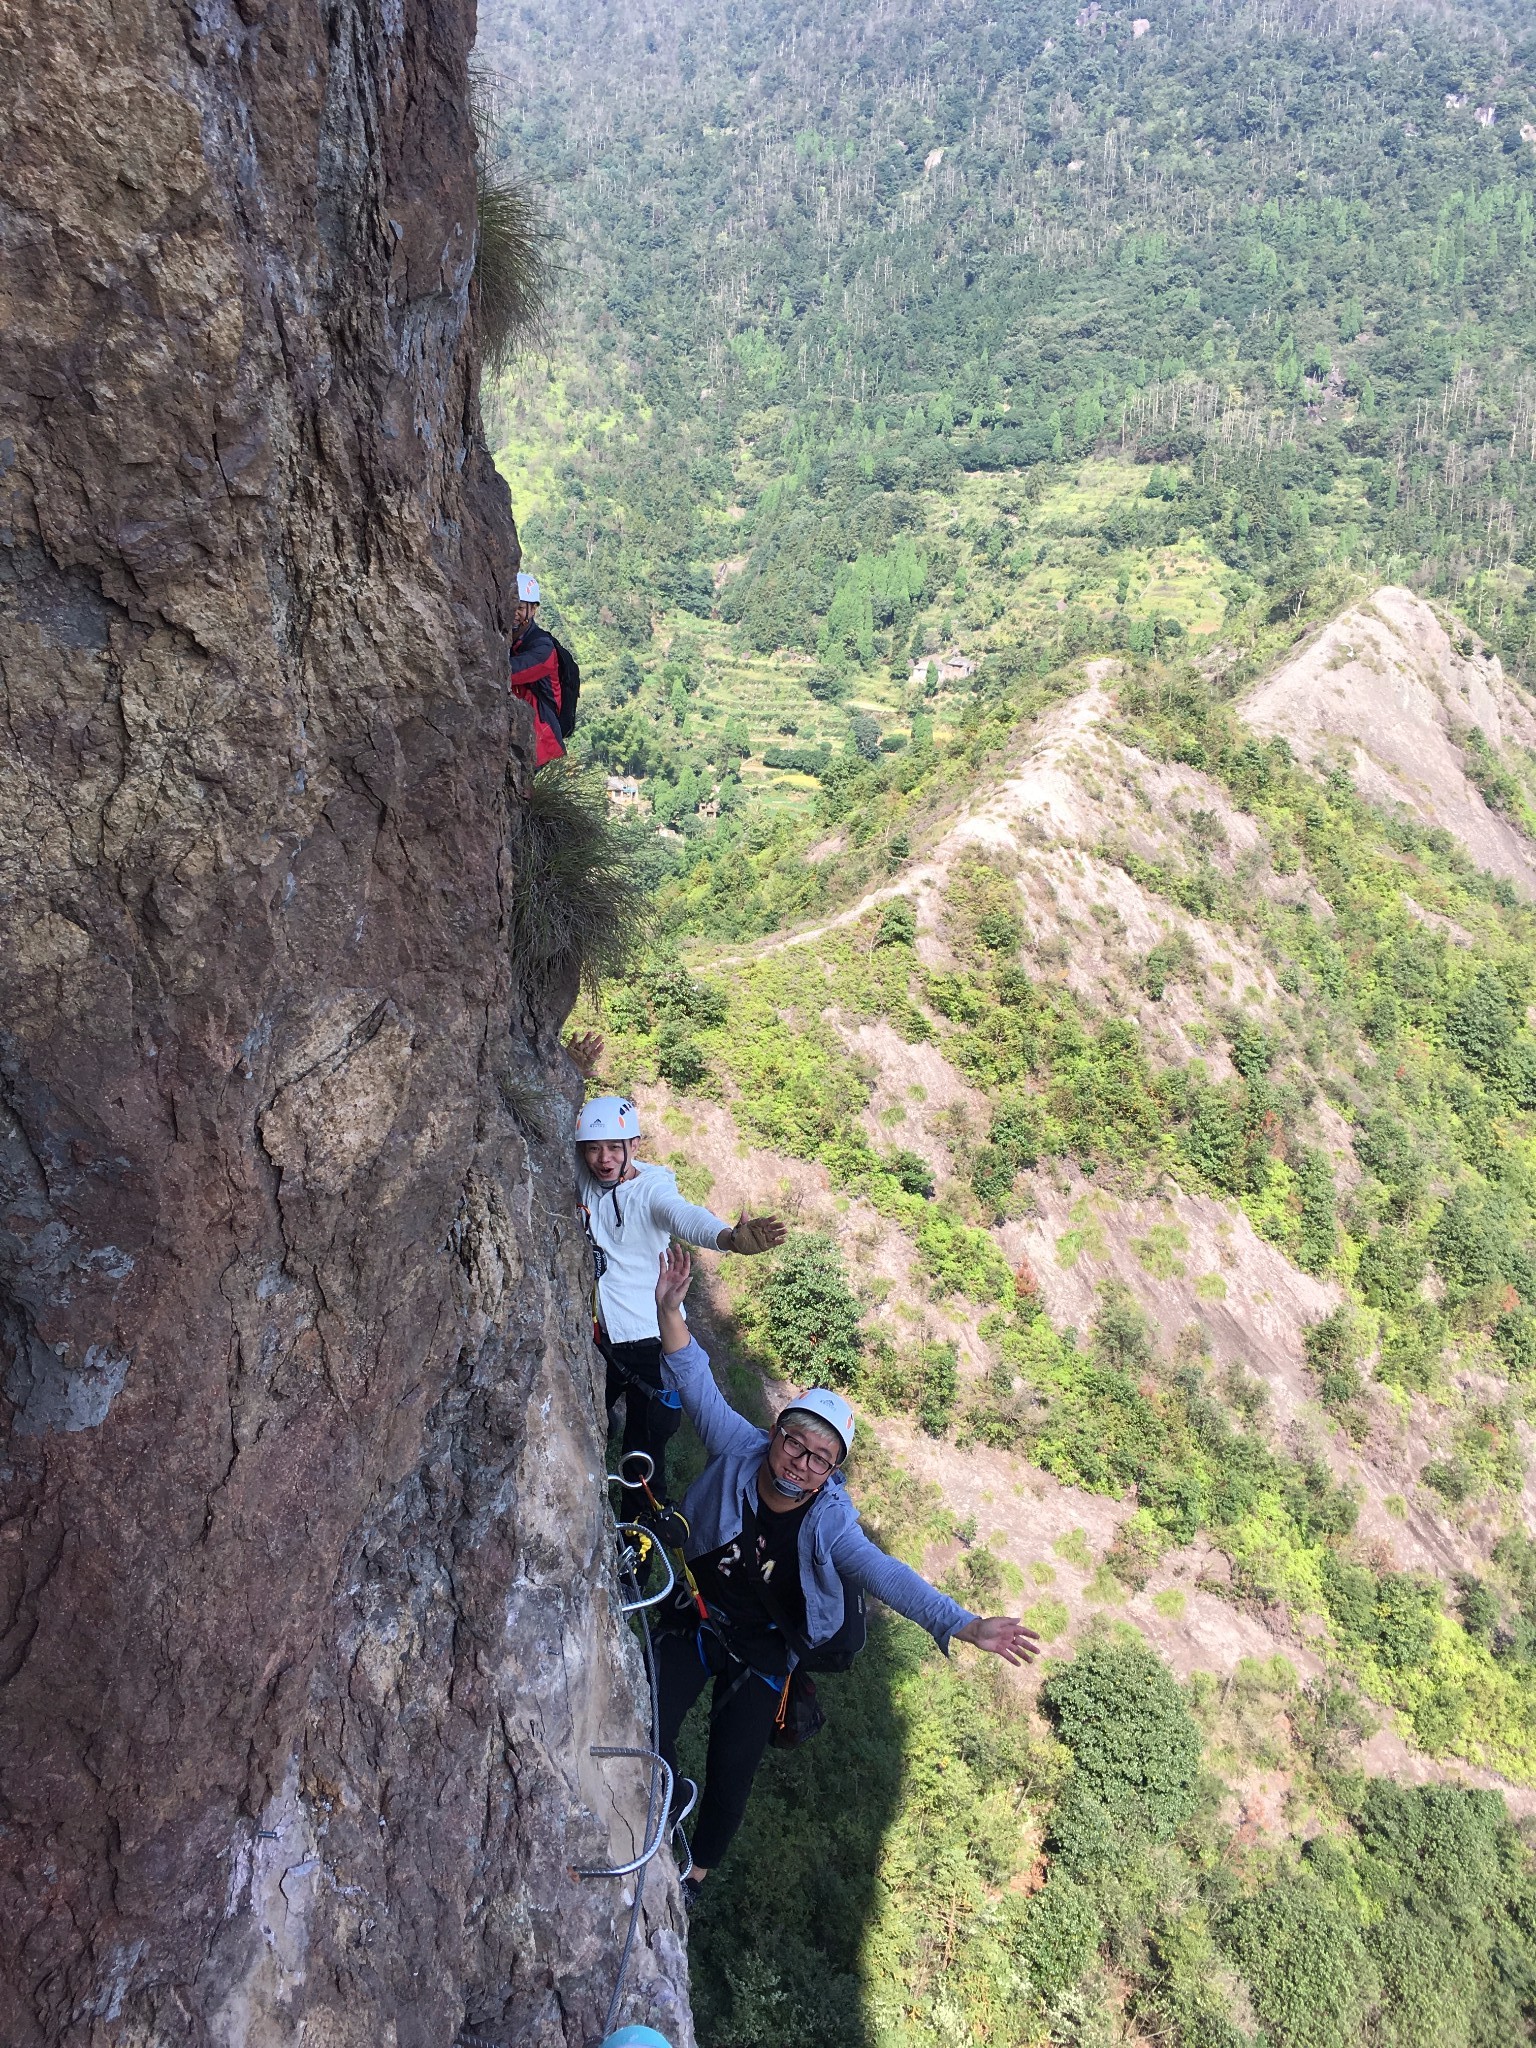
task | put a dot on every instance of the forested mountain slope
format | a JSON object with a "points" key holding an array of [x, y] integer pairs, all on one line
{"points": [[1156, 1136], [1047, 500], [849, 287]]}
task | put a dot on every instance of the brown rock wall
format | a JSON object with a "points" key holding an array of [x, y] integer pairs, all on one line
{"points": [[305, 1607]]}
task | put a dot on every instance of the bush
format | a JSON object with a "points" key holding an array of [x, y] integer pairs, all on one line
{"points": [[1059, 1937], [1476, 1607], [1013, 1146], [999, 932], [1122, 1332], [676, 994], [1453, 1480], [1331, 1349], [960, 1260], [1514, 1338], [1135, 1750], [1318, 1237], [898, 924], [1253, 1051], [1300, 1948], [678, 1057], [575, 911], [1392, 1616], [809, 1314], [1481, 1022], [911, 1172], [940, 1387]]}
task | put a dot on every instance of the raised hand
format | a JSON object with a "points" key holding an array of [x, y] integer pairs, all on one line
{"points": [[674, 1270], [1010, 1640], [585, 1050], [752, 1234]]}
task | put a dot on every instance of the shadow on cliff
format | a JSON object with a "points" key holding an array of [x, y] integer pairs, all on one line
{"points": [[776, 1942], [777, 1939]]}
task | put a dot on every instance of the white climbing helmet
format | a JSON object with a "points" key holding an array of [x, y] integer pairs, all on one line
{"points": [[606, 1118], [527, 588], [830, 1410]]}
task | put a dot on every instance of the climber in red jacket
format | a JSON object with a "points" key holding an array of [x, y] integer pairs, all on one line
{"points": [[534, 673]]}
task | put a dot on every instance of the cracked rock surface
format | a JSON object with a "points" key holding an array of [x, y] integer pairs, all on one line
{"points": [[307, 1618]]}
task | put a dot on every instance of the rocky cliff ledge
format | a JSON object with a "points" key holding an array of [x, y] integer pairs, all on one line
{"points": [[306, 1610]]}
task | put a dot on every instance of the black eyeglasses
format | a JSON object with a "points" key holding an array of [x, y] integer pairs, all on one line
{"points": [[815, 1461]]}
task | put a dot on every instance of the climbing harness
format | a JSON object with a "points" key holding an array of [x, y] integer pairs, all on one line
{"points": [[664, 1397], [669, 1524]]}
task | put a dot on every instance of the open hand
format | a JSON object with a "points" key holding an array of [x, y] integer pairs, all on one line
{"points": [[752, 1234], [1010, 1640], [674, 1273], [585, 1050]]}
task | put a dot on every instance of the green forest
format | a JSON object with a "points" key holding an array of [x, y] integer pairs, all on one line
{"points": [[940, 411]]}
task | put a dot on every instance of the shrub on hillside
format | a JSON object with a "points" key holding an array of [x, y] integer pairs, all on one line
{"points": [[898, 924], [1135, 1751], [1059, 1937], [809, 1313], [679, 1059], [911, 1172], [960, 1260], [940, 1387], [1299, 1946], [1331, 1348]]}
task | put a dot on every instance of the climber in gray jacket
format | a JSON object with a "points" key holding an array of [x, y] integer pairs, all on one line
{"points": [[773, 1537]]}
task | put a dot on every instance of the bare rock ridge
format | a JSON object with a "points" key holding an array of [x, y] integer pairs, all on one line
{"points": [[1383, 690], [307, 1621]]}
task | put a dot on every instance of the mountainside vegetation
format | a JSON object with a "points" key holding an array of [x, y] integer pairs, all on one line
{"points": [[961, 427]]}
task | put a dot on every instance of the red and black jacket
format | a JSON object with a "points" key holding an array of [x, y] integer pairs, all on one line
{"points": [[533, 673]]}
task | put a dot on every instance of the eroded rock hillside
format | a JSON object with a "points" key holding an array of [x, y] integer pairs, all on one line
{"points": [[1167, 1106], [306, 1608]]}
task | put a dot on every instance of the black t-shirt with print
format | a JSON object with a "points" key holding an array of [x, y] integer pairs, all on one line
{"points": [[733, 1581]]}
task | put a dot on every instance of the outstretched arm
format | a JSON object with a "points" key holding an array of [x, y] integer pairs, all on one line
{"points": [[700, 1226], [909, 1593], [685, 1365]]}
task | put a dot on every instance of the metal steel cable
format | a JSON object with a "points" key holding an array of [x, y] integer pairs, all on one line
{"points": [[650, 1816]]}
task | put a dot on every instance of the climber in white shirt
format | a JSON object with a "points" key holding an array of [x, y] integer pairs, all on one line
{"points": [[632, 1211]]}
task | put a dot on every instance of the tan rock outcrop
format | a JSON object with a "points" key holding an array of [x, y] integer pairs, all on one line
{"points": [[307, 1621], [1383, 689]]}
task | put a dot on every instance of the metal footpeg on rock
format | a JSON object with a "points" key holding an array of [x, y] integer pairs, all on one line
{"points": [[657, 1763], [637, 1459]]}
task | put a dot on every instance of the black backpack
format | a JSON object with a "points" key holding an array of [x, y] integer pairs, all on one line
{"points": [[800, 1715], [570, 687], [838, 1651]]}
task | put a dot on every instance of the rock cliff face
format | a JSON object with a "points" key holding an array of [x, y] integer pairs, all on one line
{"points": [[306, 1611]]}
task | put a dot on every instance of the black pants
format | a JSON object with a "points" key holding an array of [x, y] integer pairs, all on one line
{"points": [[738, 1732], [649, 1423]]}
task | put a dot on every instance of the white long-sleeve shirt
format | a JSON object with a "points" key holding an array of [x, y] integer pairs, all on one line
{"points": [[631, 1225]]}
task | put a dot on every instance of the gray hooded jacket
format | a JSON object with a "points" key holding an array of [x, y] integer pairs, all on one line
{"points": [[832, 1545]]}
